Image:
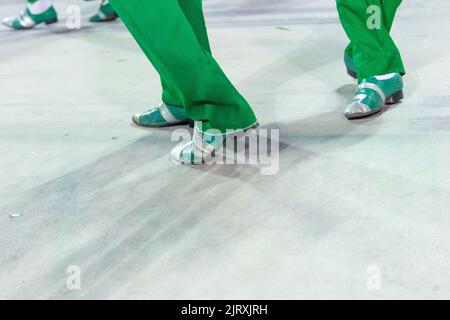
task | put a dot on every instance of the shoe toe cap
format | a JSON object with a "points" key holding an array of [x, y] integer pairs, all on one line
{"points": [[136, 118], [357, 109], [8, 22]]}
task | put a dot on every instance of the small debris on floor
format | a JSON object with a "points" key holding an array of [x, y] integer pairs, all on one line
{"points": [[283, 28], [15, 215]]}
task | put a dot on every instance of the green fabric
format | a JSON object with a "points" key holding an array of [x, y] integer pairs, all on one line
{"points": [[373, 51], [348, 60], [173, 36]]}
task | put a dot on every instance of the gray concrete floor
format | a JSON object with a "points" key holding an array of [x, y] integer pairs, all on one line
{"points": [[95, 192]]}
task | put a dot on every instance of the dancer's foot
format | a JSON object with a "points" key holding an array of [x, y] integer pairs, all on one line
{"points": [[28, 20], [204, 145], [350, 65], [162, 116], [375, 92], [105, 13]]}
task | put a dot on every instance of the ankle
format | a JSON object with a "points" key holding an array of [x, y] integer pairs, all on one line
{"points": [[39, 6]]}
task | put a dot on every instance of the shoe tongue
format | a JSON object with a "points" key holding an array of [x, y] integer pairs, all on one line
{"points": [[38, 8], [207, 141]]}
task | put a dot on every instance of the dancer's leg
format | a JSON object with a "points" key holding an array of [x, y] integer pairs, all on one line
{"points": [[169, 41], [376, 58], [172, 104], [389, 9], [193, 12], [374, 51]]}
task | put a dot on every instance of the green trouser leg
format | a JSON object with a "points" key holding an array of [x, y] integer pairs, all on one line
{"points": [[194, 13], [173, 36], [373, 50], [388, 9]]}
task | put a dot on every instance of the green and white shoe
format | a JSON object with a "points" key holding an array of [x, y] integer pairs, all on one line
{"points": [[350, 65], [27, 20], [374, 93], [162, 116], [105, 13], [203, 147]]}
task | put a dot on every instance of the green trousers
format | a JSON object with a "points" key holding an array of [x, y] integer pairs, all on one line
{"points": [[172, 34], [372, 49]]}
